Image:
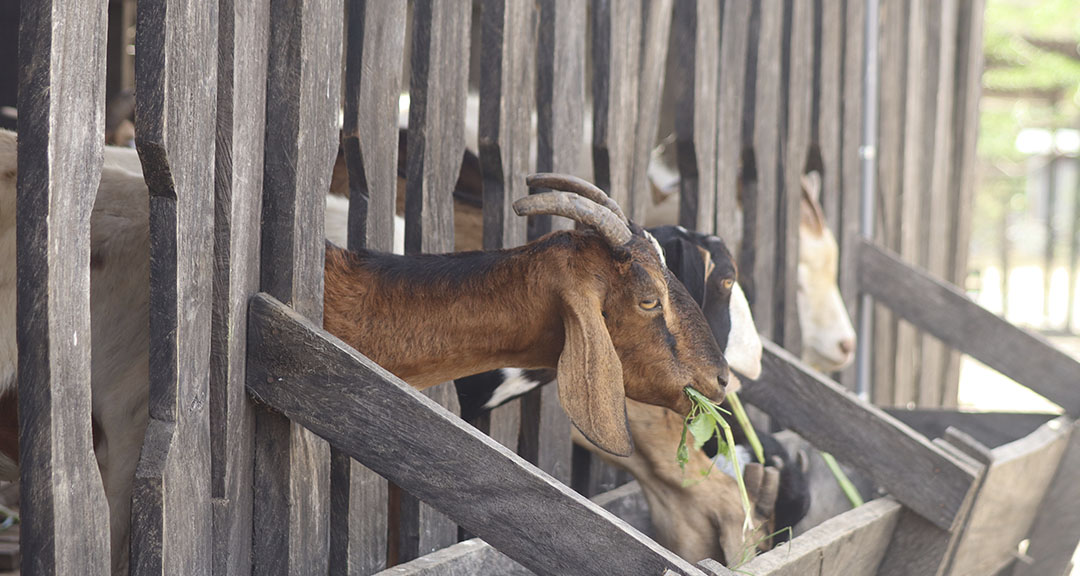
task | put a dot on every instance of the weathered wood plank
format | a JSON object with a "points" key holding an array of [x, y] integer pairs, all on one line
{"points": [[616, 53], [545, 433], [243, 36], [695, 76], [438, 88], [917, 547], [944, 311], [986, 541], [1056, 529], [969, 67], [913, 470], [800, 113], [375, 47], [848, 233], [320, 382], [992, 429], [764, 107], [734, 46], [508, 52], [171, 517], [560, 98], [890, 151], [913, 180], [61, 93], [375, 44], [829, 39], [292, 467], [933, 390], [851, 544], [656, 29]]}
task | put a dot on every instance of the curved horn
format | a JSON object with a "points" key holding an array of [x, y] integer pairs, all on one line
{"points": [[578, 209], [568, 183]]}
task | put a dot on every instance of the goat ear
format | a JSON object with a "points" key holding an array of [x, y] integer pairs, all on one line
{"points": [[686, 261], [590, 377], [811, 214]]}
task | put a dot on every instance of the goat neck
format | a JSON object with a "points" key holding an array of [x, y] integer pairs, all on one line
{"points": [[434, 317]]}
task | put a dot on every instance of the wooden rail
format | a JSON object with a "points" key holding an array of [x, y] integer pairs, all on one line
{"points": [[319, 382], [944, 311]]}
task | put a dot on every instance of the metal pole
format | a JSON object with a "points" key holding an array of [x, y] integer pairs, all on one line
{"points": [[868, 158]]}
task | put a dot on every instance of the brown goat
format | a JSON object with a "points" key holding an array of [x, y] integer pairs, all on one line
{"points": [[600, 306]]}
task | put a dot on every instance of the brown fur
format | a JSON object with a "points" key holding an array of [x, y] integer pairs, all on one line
{"points": [[567, 301], [704, 518]]}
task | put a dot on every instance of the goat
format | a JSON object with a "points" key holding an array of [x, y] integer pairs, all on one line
{"points": [[598, 305], [703, 519]]}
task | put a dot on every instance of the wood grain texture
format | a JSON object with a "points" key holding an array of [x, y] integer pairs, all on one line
{"points": [[616, 56], [695, 76], [849, 232], [375, 45], [171, 516], [987, 542], [243, 35], [765, 108], [968, 74], [320, 382], [944, 311], [829, 93], [1056, 529], [292, 467], [917, 547], [991, 429], [560, 98], [438, 84], [910, 467], [656, 29], [913, 180], [892, 80], [796, 151], [734, 46], [61, 92], [469, 558], [936, 218], [852, 544]]}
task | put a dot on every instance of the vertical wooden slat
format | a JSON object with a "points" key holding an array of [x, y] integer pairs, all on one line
{"points": [[800, 83], [616, 50], [765, 110], [238, 172], [848, 233], [1056, 530], [695, 41], [733, 77], [375, 47], [436, 142], [61, 99], [292, 466], [890, 148], [936, 201], [829, 44], [176, 79], [656, 28], [969, 66], [545, 430], [508, 48]]}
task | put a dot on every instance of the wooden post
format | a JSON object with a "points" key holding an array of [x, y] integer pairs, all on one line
{"points": [[695, 41], [733, 79], [238, 174], [375, 47], [171, 518], [61, 99], [292, 466], [436, 142], [656, 28]]}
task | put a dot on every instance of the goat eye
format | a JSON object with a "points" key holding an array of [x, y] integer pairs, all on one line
{"points": [[649, 304], [729, 283]]}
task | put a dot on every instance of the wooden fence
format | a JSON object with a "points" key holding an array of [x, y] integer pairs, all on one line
{"points": [[266, 450]]}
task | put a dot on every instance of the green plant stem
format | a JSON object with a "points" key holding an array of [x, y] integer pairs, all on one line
{"points": [[704, 403], [748, 428], [842, 479]]}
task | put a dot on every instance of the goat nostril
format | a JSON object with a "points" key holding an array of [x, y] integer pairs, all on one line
{"points": [[847, 346]]}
